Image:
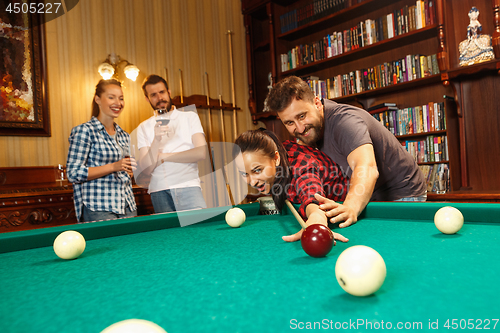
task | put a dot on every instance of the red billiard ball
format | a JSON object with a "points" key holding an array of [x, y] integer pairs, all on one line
{"points": [[317, 240]]}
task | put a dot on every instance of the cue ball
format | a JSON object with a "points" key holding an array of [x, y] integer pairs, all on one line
{"points": [[448, 220], [235, 217], [317, 240], [134, 326], [69, 245], [360, 270]]}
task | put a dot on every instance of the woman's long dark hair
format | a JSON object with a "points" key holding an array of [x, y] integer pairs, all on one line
{"points": [[99, 89], [267, 143]]}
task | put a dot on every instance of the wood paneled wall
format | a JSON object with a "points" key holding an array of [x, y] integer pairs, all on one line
{"points": [[152, 34]]}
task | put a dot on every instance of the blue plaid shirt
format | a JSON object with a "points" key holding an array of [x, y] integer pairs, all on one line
{"points": [[91, 146]]}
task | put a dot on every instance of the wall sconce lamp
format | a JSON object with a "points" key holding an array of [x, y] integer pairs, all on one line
{"points": [[109, 68]]}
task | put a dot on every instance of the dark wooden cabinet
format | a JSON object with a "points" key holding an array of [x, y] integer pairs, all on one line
{"points": [[475, 90], [473, 113], [39, 197]]}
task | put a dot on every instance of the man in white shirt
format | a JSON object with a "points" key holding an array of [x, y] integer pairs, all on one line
{"points": [[169, 153]]}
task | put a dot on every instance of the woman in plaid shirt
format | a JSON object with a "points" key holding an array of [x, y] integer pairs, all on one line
{"points": [[290, 171], [99, 163]]}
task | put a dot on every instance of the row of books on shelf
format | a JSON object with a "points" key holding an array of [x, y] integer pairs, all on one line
{"points": [[311, 12], [410, 68], [433, 148], [437, 177], [363, 34], [425, 118]]}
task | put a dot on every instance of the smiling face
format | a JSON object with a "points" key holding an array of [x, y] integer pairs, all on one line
{"points": [[111, 101], [304, 120], [258, 170], [158, 96]]}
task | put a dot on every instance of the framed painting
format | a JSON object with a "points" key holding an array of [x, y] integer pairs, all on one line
{"points": [[23, 88]]}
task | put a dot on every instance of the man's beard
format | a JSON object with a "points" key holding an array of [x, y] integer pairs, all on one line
{"points": [[168, 107], [314, 139]]}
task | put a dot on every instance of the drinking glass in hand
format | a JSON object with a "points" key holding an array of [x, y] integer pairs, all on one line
{"points": [[126, 152], [163, 118]]}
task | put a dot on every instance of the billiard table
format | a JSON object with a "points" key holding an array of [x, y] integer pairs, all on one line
{"points": [[209, 277]]}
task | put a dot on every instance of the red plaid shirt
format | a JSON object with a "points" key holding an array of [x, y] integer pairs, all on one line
{"points": [[313, 172]]}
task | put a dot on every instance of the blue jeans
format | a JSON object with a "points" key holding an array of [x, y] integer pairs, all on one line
{"points": [[421, 198], [177, 199], [89, 216]]}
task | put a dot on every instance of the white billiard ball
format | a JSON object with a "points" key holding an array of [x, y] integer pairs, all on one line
{"points": [[360, 270], [69, 245], [448, 220], [235, 217], [134, 326]]}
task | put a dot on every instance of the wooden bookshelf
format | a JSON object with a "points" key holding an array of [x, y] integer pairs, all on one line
{"points": [[466, 196], [419, 135], [368, 50], [363, 97], [472, 112], [340, 16]]}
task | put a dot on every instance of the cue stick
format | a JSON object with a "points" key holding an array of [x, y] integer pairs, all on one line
{"points": [[210, 128], [208, 91], [216, 187], [235, 125], [210, 138], [297, 216], [166, 74], [180, 78], [224, 154], [223, 128]]}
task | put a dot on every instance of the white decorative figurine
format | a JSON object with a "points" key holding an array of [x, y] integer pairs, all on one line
{"points": [[477, 47]]}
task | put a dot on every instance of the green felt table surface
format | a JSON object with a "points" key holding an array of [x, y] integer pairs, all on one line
{"points": [[209, 277]]}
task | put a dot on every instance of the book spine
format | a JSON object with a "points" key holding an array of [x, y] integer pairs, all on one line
{"points": [[432, 12], [425, 118], [418, 15], [431, 150]]}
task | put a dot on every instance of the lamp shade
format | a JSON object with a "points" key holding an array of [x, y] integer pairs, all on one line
{"points": [[131, 72], [106, 70]]}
